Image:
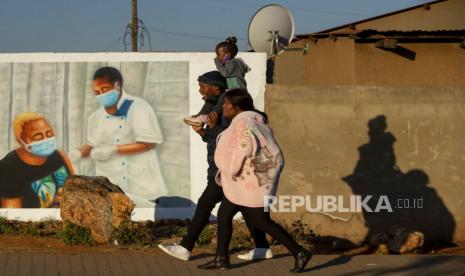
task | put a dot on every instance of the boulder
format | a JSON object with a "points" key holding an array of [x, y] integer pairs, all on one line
{"points": [[407, 241], [95, 203], [398, 240]]}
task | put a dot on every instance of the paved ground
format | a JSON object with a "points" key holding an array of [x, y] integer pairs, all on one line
{"points": [[128, 263]]}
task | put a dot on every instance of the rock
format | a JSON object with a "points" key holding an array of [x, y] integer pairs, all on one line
{"points": [[379, 239], [398, 240], [407, 241], [383, 249], [95, 203]]}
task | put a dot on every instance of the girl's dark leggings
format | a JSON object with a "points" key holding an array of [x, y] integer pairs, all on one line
{"points": [[256, 217], [210, 197]]}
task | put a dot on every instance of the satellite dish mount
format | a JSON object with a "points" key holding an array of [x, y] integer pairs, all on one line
{"points": [[276, 46]]}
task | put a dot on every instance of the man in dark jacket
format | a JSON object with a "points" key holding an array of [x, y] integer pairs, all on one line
{"points": [[212, 86]]}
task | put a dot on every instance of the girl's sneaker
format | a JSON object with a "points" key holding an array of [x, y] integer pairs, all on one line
{"points": [[257, 254]]}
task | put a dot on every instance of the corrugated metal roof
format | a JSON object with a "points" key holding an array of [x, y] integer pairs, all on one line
{"points": [[391, 33], [348, 25], [417, 33]]}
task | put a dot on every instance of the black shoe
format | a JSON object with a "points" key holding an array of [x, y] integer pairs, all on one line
{"points": [[219, 262], [301, 260]]}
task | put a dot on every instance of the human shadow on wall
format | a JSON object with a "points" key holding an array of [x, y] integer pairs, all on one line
{"points": [[415, 205]]}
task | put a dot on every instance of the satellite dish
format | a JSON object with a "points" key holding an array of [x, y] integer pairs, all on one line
{"points": [[271, 30]]}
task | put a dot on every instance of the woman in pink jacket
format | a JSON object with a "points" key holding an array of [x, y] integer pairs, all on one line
{"points": [[250, 163]]}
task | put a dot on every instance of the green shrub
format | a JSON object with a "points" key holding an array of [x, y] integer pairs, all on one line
{"points": [[241, 237], [181, 231], [28, 229], [7, 227], [73, 234], [130, 233], [48, 228], [206, 236]]}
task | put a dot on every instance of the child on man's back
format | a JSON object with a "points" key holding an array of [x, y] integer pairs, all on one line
{"points": [[232, 68]]}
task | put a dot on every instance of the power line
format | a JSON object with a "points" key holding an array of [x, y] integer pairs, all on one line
{"points": [[235, 3], [144, 33], [190, 35], [113, 43], [330, 12], [144, 29], [291, 8]]}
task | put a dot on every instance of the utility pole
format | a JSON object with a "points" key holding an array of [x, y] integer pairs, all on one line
{"points": [[134, 26]]}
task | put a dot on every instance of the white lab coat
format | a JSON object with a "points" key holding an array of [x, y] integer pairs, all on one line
{"points": [[139, 175]]}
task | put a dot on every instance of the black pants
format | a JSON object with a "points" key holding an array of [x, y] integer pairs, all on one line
{"points": [[207, 201], [256, 218]]}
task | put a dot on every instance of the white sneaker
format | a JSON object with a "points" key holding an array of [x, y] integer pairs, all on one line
{"points": [[176, 251], [257, 254]]}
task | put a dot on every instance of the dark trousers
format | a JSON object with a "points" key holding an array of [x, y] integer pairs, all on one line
{"points": [[207, 201], [256, 218]]}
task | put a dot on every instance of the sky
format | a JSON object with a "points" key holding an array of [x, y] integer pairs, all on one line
{"points": [[172, 25]]}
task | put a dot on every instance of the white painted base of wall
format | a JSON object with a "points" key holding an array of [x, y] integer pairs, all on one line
{"points": [[139, 214]]}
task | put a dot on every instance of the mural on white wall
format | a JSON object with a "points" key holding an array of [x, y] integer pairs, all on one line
{"points": [[144, 147], [57, 93]]}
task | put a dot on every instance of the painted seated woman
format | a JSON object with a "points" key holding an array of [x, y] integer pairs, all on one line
{"points": [[33, 175]]}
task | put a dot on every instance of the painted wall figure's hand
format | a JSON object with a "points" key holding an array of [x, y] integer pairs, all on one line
{"points": [[75, 155], [85, 151], [103, 152]]}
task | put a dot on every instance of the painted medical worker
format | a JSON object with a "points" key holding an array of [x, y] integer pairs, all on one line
{"points": [[121, 137]]}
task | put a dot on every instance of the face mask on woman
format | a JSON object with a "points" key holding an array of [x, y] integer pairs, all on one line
{"points": [[43, 147], [109, 98]]}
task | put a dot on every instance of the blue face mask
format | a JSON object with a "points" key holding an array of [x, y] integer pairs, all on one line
{"points": [[109, 98], [43, 147]]}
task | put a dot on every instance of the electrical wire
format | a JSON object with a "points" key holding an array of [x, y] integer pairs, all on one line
{"points": [[113, 43], [142, 33], [291, 8], [190, 35]]}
